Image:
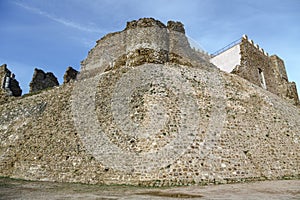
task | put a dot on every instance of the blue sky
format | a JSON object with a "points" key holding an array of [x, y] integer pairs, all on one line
{"points": [[55, 34]]}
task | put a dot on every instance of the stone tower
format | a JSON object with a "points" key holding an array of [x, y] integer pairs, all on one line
{"points": [[248, 60]]}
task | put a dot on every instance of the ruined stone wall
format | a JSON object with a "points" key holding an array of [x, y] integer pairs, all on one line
{"points": [[8, 83], [292, 94], [285, 89], [278, 65], [9, 86], [41, 80], [143, 41], [70, 75], [254, 60], [152, 124], [233, 130], [2, 79], [3, 96], [2, 75]]}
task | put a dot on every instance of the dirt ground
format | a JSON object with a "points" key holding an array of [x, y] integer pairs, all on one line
{"points": [[18, 189]]}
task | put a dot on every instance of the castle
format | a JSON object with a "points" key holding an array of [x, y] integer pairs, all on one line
{"points": [[147, 109]]}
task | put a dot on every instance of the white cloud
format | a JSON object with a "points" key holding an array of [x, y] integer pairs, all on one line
{"points": [[60, 20]]}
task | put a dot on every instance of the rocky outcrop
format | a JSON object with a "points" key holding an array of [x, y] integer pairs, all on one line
{"points": [[42, 80], [70, 74]]}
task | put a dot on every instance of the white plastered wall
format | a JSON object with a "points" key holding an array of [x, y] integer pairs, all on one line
{"points": [[228, 59]]}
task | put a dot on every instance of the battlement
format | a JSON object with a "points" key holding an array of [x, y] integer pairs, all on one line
{"points": [[245, 58], [245, 38]]}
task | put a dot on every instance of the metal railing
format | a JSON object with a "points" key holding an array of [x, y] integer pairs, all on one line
{"points": [[227, 47]]}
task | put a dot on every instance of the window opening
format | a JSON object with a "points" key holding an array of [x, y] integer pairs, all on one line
{"points": [[262, 78]]}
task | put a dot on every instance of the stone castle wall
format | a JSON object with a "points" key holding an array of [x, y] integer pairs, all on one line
{"points": [[143, 41], [42, 80], [243, 133], [9, 86], [8, 83], [285, 89], [2, 79], [3, 96], [154, 123], [254, 59]]}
